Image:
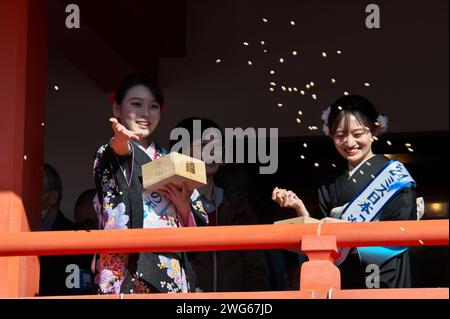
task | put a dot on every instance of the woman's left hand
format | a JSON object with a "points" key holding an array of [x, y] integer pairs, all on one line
{"points": [[333, 220], [179, 197]]}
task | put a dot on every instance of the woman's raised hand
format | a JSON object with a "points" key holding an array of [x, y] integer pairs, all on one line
{"points": [[122, 136], [287, 198], [122, 133]]}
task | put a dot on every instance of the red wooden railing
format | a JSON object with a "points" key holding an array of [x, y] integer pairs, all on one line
{"points": [[320, 277]]}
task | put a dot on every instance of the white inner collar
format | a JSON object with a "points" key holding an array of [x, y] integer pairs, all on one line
{"points": [[150, 150]]}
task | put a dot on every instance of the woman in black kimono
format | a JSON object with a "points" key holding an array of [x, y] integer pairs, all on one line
{"points": [[352, 122], [122, 203]]}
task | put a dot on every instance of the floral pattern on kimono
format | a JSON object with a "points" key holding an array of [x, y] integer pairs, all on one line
{"points": [[159, 212]]}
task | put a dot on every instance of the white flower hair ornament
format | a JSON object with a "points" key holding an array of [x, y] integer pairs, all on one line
{"points": [[325, 116], [382, 122]]}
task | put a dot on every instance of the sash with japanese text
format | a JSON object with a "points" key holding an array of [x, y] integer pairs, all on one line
{"points": [[367, 205]]}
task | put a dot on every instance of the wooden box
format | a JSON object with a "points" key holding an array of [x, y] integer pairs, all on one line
{"points": [[174, 168], [299, 220]]}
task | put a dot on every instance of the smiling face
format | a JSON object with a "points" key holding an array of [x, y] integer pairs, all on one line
{"points": [[139, 112], [353, 140]]}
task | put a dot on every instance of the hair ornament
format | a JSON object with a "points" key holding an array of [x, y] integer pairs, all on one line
{"points": [[325, 116], [382, 122]]}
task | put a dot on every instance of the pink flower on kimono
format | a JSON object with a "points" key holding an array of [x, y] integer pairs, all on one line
{"points": [[117, 219], [108, 282]]}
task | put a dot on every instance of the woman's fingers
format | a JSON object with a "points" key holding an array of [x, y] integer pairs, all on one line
{"points": [[280, 197], [172, 190], [185, 191], [121, 130], [114, 124], [289, 199], [163, 189], [274, 193], [174, 193], [285, 198], [118, 128], [162, 192], [134, 136]]}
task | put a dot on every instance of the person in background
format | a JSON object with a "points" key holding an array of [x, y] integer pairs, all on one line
{"points": [[84, 212], [85, 219], [52, 217], [53, 273], [212, 205]]}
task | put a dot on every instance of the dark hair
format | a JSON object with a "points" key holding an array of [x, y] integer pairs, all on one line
{"points": [[86, 197], [84, 212], [52, 181], [188, 124], [137, 79], [358, 106]]}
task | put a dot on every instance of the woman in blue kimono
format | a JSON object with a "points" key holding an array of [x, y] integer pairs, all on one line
{"points": [[372, 188], [123, 203]]}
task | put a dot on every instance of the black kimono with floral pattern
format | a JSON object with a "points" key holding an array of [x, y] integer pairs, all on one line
{"points": [[123, 203]]}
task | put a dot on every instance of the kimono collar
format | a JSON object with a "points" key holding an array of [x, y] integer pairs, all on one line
{"points": [[352, 170], [150, 150]]}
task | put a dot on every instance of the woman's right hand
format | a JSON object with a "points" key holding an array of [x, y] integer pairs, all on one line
{"points": [[287, 198], [122, 135]]}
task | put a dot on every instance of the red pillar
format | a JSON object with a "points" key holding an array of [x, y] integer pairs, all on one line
{"points": [[23, 62], [319, 273]]}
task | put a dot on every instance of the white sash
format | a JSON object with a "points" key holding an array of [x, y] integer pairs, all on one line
{"points": [[370, 201]]}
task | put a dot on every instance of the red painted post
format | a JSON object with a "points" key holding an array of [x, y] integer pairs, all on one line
{"points": [[319, 273], [23, 53]]}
